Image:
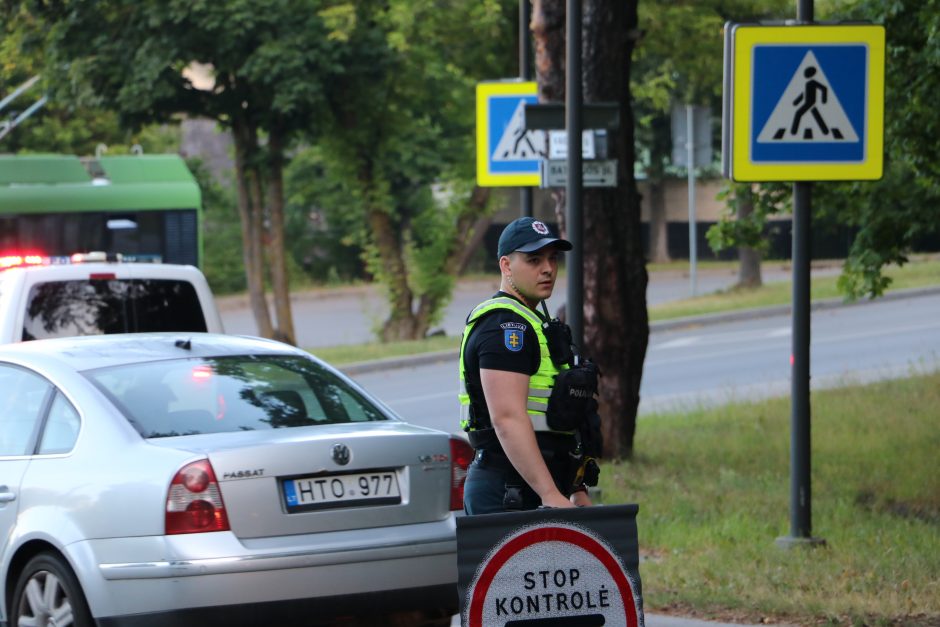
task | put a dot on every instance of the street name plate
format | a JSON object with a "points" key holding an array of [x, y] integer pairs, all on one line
{"points": [[594, 173]]}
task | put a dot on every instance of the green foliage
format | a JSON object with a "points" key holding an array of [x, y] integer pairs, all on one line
{"points": [[222, 259], [57, 127], [732, 229], [679, 60], [401, 122]]}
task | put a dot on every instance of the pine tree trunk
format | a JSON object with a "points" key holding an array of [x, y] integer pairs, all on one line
{"points": [[616, 326]]}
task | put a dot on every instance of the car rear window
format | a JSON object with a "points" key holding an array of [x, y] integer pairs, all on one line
{"points": [[104, 306], [225, 394]]}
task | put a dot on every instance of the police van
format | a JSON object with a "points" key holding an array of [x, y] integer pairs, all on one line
{"points": [[99, 293]]}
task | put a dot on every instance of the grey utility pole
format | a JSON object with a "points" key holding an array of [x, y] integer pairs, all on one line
{"points": [[575, 229], [525, 73]]}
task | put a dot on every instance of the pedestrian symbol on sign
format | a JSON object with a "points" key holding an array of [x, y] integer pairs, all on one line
{"points": [[808, 111], [518, 144]]}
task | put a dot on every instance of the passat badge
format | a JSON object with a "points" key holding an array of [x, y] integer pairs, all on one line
{"points": [[513, 339]]}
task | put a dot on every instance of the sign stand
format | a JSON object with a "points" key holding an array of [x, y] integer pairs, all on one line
{"points": [[575, 566], [803, 102]]}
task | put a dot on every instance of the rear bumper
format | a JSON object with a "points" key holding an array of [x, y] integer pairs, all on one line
{"points": [[172, 577], [438, 600], [284, 560]]}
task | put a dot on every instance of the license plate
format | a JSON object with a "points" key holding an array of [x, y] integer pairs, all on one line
{"points": [[378, 487]]}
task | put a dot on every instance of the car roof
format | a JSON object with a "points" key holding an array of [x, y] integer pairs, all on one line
{"points": [[98, 351]]}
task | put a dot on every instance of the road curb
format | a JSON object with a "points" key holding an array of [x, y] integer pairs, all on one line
{"points": [[409, 361]]}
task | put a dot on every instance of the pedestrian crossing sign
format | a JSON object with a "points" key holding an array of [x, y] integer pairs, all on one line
{"points": [[507, 154], [803, 103]]}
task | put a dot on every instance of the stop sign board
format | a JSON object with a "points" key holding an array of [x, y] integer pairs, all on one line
{"points": [[550, 567]]}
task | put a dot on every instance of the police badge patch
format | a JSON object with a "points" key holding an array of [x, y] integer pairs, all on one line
{"points": [[513, 339]]}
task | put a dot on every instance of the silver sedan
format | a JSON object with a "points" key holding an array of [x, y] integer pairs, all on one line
{"points": [[176, 479]]}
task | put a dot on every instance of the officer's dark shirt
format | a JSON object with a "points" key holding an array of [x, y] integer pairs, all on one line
{"points": [[500, 340]]}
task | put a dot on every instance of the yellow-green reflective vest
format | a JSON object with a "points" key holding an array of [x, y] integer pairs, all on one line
{"points": [[540, 383]]}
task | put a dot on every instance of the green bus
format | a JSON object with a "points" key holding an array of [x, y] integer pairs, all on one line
{"points": [[144, 206]]}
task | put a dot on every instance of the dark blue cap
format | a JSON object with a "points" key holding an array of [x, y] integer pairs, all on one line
{"points": [[527, 235]]}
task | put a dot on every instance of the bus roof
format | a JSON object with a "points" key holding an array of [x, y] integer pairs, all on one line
{"points": [[63, 183]]}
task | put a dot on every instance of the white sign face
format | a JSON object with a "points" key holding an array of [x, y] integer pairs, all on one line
{"points": [[552, 571], [593, 173], [558, 144]]}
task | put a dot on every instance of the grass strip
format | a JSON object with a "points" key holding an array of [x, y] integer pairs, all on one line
{"points": [[713, 490]]}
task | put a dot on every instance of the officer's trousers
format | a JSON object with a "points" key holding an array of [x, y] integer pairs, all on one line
{"points": [[484, 491]]}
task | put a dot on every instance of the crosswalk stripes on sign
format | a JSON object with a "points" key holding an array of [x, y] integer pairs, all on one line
{"points": [[808, 110]]}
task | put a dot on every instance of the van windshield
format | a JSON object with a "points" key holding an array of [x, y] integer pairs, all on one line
{"points": [[100, 307]]}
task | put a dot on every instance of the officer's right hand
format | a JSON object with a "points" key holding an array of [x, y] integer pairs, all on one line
{"points": [[556, 500]]}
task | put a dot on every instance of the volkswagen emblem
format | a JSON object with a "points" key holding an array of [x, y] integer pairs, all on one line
{"points": [[340, 454]]}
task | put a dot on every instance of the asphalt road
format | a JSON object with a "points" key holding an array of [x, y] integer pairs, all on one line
{"points": [[713, 364], [349, 315]]}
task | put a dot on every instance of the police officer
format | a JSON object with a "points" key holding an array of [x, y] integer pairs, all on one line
{"points": [[507, 376]]}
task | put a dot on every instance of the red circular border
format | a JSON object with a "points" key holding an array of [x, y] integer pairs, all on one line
{"points": [[549, 534]]}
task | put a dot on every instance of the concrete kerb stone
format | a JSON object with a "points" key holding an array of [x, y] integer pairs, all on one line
{"points": [[407, 361]]}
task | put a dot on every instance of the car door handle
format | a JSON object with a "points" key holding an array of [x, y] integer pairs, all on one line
{"points": [[5, 495]]}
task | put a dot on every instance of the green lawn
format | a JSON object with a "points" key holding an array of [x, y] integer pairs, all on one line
{"points": [[713, 490]]}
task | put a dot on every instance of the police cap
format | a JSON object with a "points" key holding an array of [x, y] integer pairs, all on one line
{"points": [[527, 235]]}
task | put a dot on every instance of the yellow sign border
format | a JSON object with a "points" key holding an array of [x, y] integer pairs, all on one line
{"points": [[745, 37], [486, 178]]}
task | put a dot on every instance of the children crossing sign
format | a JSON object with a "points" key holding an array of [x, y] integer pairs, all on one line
{"points": [[507, 154], [803, 103]]}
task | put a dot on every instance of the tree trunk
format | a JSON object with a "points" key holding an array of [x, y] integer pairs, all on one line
{"points": [[401, 322], [471, 229], [616, 326], [548, 30], [748, 258], [279, 279], [659, 225], [249, 214], [616, 323]]}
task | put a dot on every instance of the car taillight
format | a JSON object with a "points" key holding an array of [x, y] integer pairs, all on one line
{"points": [[194, 502], [461, 454]]}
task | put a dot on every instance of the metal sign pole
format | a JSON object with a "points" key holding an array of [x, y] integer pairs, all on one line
{"points": [[801, 524], [575, 259], [525, 73], [693, 227]]}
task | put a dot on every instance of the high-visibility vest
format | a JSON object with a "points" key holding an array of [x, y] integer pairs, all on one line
{"points": [[540, 383]]}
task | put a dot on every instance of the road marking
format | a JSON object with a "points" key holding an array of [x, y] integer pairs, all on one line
{"points": [[781, 332], [679, 342], [886, 330]]}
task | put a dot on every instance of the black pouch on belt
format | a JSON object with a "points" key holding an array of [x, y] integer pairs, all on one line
{"points": [[572, 400]]}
